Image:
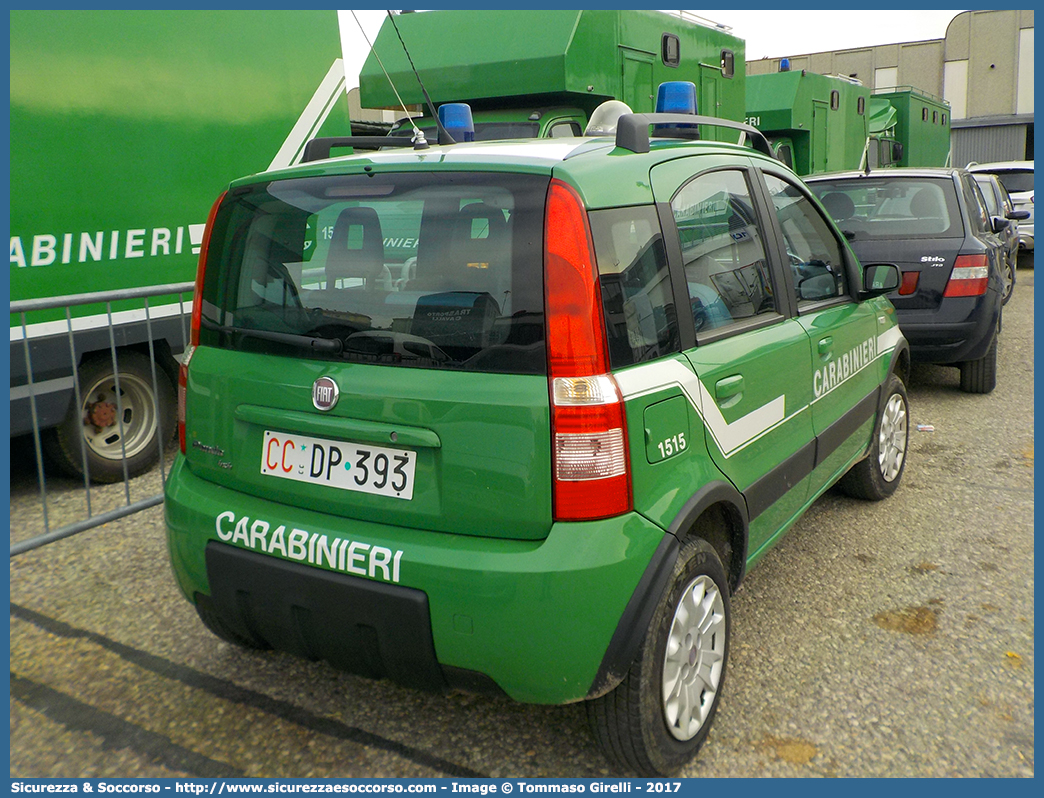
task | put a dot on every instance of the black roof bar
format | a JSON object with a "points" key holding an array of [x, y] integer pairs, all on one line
{"points": [[632, 130]]}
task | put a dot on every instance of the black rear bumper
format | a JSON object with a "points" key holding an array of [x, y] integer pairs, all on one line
{"points": [[959, 330], [357, 625]]}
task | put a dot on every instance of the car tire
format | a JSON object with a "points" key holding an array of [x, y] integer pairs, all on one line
{"points": [[217, 626], [639, 728], [980, 376], [877, 476], [139, 436]]}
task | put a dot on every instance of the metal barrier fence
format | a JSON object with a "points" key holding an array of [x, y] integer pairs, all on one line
{"points": [[177, 312]]}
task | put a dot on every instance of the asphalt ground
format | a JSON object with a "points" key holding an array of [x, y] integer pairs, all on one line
{"points": [[877, 639]]}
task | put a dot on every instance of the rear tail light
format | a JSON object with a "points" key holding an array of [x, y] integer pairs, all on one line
{"points": [[969, 277], [182, 387], [588, 425], [197, 314], [909, 284]]}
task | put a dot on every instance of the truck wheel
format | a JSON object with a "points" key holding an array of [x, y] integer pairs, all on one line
{"points": [[980, 376], [96, 424], [877, 476], [654, 722]]}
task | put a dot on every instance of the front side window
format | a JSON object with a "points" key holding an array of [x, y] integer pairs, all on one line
{"points": [[813, 252], [430, 271], [564, 130], [726, 271], [637, 294]]}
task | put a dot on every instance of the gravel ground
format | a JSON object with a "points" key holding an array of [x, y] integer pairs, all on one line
{"points": [[890, 639]]}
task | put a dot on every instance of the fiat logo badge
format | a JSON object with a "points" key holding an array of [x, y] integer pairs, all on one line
{"points": [[325, 394]]}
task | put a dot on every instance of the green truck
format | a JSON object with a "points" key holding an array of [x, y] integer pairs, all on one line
{"points": [[815, 123], [124, 127], [541, 73], [828, 123], [915, 120]]}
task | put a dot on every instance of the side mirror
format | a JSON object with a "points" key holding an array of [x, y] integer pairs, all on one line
{"points": [[998, 225], [1017, 216], [880, 278], [897, 152]]}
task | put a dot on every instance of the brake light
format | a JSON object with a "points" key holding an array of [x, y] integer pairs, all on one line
{"points": [[183, 367], [591, 472], [969, 277], [197, 314], [909, 284], [201, 269]]}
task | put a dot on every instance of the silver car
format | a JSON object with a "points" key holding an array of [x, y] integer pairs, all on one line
{"points": [[1017, 178]]}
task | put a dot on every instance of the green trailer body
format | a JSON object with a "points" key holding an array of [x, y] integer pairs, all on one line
{"points": [[530, 62], [125, 126], [920, 124], [822, 120]]}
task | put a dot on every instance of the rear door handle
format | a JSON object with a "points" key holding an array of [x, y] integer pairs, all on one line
{"points": [[826, 347]]}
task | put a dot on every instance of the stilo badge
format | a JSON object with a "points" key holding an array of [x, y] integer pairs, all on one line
{"points": [[325, 394]]}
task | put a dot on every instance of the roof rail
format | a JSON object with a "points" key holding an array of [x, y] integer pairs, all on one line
{"points": [[688, 16], [318, 149], [911, 89], [632, 130]]}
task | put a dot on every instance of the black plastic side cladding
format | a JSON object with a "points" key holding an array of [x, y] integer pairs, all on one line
{"points": [[630, 631], [723, 493]]}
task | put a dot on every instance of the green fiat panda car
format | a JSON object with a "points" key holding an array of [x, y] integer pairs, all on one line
{"points": [[519, 416]]}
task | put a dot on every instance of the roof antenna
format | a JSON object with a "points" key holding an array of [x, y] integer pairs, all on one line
{"points": [[444, 136], [419, 142]]}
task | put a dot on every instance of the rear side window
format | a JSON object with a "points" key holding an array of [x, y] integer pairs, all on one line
{"points": [[983, 181], [978, 210], [868, 208], [429, 271], [637, 294]]}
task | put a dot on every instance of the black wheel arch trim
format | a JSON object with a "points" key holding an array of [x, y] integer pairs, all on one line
{"points": [[637, 615], [901, 351]]}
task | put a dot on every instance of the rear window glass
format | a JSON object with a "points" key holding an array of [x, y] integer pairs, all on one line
{"points": [[1016, 181], [888, 207], [436, 271]]}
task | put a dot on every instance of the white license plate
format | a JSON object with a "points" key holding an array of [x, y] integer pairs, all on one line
{"points": [[348, 466]]}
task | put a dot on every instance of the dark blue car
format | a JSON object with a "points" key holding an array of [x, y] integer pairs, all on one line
{"points": [[933, 224]]}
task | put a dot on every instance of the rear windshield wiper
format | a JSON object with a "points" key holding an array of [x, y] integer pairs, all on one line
{"points": [[333, 345]]}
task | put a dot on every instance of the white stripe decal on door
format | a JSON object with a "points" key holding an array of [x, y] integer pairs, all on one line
{"points": [[729, 437]]}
